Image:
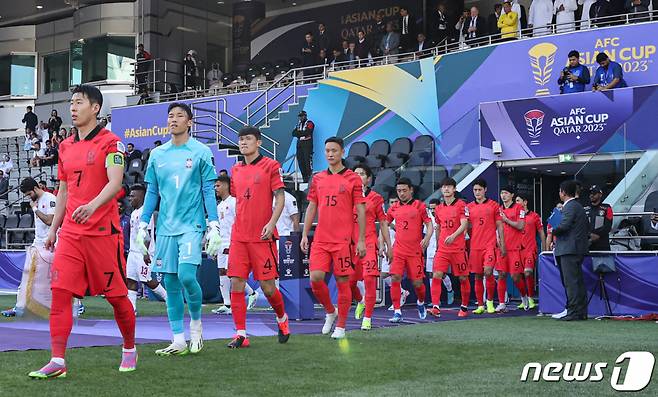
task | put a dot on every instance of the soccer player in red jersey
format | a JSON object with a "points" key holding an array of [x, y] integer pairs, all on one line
{"points": [[513, 217], [409, 216], [334, 194], [533, 226], [89, 253], [367, 268], [452, 221], [485, 221], [254, 184]]}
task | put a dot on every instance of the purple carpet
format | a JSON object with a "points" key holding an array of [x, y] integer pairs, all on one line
{"points": [[33, 335]]}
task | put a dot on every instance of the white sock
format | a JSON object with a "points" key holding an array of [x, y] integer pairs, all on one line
{"points": [[225, 288], [447, 282], [362, 288], [282, 319], [179, 339], [160, 291], [57, 360], [242, 332], [247, 289], [366, 318], [419, 303], [387, 281], [195, 323], [132, 296], [134, 349], [398, 311]]}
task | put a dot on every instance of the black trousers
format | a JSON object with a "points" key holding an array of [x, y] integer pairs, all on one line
{"points": [[571, 267], [304, 158]]}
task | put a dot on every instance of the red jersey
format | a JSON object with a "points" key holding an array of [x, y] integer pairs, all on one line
{"points": [[374, 213], [83, 166], [409, 219], [253, 185], [335, 196], [532, 226], [448, 219], [513, 236], [483, 217]]}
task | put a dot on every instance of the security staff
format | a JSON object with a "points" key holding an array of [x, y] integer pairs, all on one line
{"points": [[600, 220], [304, 134]]}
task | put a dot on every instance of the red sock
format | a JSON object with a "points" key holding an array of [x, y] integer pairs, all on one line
{"points": [[502, 288], [356, 294], [530, 283], [479, 291], [276, 301], [491, 287], [435, 289], [396, 293], [321, 292], [371, 294], [124, 315], [520, 284], [344, 302], [420, 292], [61, 321], [465, 286], [239, 310]]}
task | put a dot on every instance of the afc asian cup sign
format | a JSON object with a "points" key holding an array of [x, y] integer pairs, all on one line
{"points": [[534, 119]]}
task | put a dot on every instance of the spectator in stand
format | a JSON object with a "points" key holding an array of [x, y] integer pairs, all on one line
{"points": [[142, 69], [304, 134], [440, 25], [407, 26], [637, 6], [390, 41], [190, 72], [584, 16], [108, 125], [361, 47], [541, 17], [56, 188], [575, 76], [422, 44], [132, 153], [378, 31], [54, 122], [4, 186], [50, 155], [599, 13], [6, 165], [337, 58], [475, 28], [345, 47], [609, 74], [29, 135], [493, 20], [565, 15], [508, 23], [323, 59], [309, 50], [38, 153], [44, 187], [222, 173], [459, 26], [72, 132], [30, 119], [519, 11], [324, 39], [351, 54], [43, 133]]}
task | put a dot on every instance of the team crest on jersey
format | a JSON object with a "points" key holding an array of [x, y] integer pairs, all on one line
{"points": [[188, 163], [91, 155], [341, 189]]}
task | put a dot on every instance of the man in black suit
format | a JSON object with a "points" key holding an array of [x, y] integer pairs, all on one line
{"points": [[323, 38], [407, 26], [475, 27], [439, 31], [309, 50], [493, 20], [570, 249]]}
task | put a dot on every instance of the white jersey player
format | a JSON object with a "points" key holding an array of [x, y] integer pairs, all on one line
{"points": [[226, 214], [138, 266], [289, 220]]}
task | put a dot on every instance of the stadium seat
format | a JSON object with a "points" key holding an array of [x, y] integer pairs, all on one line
{"points": [[650, 205], [378, 152], [356, 154], [399, 154], [435, 175], [386, 177], [384, 190], [11, 223], [414, 175], [425, 190], [135, 166], [145, 156], [422, 151], [25, 222], [462, 171]]}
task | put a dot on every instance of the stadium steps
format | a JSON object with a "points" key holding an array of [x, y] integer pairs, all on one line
{"points": [[281, 127]]}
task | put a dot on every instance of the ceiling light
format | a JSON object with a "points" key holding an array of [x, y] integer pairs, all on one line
{"points": [[294, 4], [563, 173], [220, 2], [549, 170], [39, 7], [534, 168]]}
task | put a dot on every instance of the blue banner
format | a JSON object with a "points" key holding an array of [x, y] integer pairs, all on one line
{"points": [[11, 269]]}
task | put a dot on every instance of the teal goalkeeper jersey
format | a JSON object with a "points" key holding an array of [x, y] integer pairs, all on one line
{"points": [[179, 172]]}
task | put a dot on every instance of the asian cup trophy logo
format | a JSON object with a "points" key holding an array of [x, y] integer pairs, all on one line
{"points": [[542, 58], [534, 119]]}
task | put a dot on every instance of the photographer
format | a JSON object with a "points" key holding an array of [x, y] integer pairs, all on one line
{"points": [[574, 77], [600, 218]]}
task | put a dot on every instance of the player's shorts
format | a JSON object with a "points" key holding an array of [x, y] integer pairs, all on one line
{"points": [[261, 258], [368, 265], [332, 257], [222, 259], [94, 263], [413, 264], [478, 259], [456, 260], [136, 268], [529, 259], [510, 263], [172, 250]]}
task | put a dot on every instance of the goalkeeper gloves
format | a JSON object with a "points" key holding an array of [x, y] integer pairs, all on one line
{"points": [[213, 239], [142, 236]]}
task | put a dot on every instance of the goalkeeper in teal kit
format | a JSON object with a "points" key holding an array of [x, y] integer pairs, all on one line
{"points": [[182, 174]]}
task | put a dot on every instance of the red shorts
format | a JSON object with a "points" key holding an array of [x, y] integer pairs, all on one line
{"points": [[478, 259], [324, 255], [457, 260], [368, 265], [413, 264], [510, 263], [261, 258], [94, 263], [529, 259]]}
